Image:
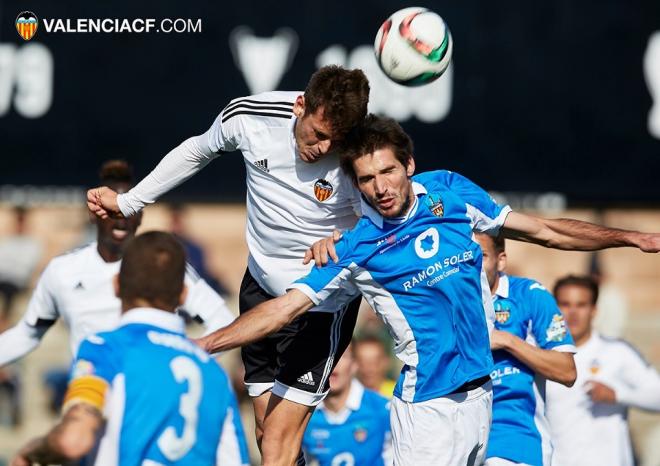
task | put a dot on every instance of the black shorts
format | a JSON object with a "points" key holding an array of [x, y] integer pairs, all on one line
{"points": [[296, 361]]}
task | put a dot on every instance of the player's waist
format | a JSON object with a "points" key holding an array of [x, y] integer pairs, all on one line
{"points": [[471, 385]]}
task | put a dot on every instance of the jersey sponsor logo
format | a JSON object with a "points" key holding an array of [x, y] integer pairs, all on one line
{"points": [[594, 367], [390, 241], [502, 313], [360, 434], [177, 342], [435, 205], [323, 189], [557, 329], [307, 379], [501, 372], [262, 165], [27, 24], [438, 271], [427, 244]]}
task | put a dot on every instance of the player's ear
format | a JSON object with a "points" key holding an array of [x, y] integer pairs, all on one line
{"points": [[299, 106], [410, 168], [183, 295], [501, 261], [115, 284]]}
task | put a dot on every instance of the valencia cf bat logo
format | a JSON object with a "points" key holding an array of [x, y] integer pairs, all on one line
{"points": [[322, 190], [27, 24]]}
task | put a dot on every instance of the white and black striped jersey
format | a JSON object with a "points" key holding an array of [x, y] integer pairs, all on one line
{"points": [[77, 286], [290, 203]]}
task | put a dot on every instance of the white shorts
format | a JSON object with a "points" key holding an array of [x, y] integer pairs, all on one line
{"points": [[448, 431], [502, 462]]}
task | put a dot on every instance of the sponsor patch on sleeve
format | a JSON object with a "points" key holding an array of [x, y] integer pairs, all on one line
{"points": [[557, 329]]}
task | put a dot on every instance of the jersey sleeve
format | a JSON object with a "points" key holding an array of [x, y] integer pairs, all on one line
{"points": [[639, 383], [486, 215], [548, 325], [39, 316], [321, 282], [232, 449], [204, 304], [93, 370], [226, 133]]}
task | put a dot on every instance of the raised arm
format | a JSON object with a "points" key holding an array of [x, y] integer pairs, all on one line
{"points": [[177, 166], [258, 323], [570, 234]]}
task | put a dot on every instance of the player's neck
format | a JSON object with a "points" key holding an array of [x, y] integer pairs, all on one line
{"points": [[583, 338], [336, 402], [109, 254], [495, 285]]}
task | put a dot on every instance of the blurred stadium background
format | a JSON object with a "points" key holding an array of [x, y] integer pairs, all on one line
{"points": [[553, 107]]}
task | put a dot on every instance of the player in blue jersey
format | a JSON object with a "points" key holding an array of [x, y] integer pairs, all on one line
{"points": [[352, 425], [413, 256], [166, 401], [531, 343]]}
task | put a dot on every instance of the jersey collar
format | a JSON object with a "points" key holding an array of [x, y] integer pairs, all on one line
{"points": [[151, 316], [503, 286], [353, 403], [375, 217]]}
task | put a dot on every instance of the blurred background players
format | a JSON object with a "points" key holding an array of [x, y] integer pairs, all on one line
{"points": [[589, 422], [530, 344], [166, 400], [78, 285], [373, 364], [352, 425]]}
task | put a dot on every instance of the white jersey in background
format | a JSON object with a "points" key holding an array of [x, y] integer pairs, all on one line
{"points": [[290, 203], [585, 433], [77, 286]]}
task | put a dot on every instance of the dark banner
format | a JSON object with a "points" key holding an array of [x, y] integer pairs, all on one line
{"points": [[550, 96]]}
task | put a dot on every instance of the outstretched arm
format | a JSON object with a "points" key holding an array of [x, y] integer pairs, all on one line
{"points": [[570, 234], [258, 322], [177, 166]]}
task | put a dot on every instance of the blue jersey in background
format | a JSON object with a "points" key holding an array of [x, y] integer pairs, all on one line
{"points": [[519, 431], [358, 435]]}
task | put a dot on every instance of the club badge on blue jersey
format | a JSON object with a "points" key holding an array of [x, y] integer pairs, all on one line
{"points": [[557, 329], [323, 189], [436, 205], [360, 434], [502, 312]]}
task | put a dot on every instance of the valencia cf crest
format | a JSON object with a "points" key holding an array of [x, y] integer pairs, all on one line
{"points": [[27, 24], [502, 313], [322, 190], [360, 434], [436, 205]]}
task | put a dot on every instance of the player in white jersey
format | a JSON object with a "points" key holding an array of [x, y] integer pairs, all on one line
{"points": [[295, 196], [589, 422], [77, 286], [414, 257], [166, 401]]}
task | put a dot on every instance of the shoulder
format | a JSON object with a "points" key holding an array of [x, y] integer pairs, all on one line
{"points": [[526, 285], [67, 263], [435, 179], [624, 350], [267, 107]]}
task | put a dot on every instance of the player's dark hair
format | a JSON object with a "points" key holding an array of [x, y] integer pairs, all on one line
{"points": [[583, 281], [343, 94], [113, 172], [153, 270], [499, 243], [373, 134]]}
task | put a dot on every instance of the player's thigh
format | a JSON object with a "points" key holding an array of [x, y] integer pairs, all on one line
{"points": [[306, 363], [451, 431]]}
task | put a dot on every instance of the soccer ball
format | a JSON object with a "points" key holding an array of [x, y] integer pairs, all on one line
{"points": [[413, 46]]}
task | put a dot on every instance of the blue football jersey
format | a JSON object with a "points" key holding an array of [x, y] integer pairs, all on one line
{"points": [[519, 430], [358, 436], [167, 401], [423, 275]]}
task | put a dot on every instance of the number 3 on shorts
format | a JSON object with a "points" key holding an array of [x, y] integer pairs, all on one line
{"points": [[173, 447]]}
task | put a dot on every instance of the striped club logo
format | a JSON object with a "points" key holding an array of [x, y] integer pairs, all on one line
{"points": [[322, 190], [27, 24]]}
